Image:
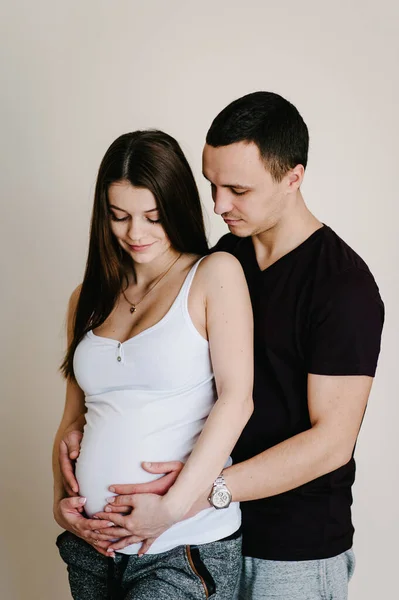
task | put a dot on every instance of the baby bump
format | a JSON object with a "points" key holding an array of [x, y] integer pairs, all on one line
{"points": [[112, 453]]}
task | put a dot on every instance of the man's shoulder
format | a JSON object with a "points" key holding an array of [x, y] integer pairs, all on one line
{"points": [[338, 255], [342, 273]]}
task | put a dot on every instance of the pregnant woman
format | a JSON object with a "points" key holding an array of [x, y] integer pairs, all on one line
{"points": [[159, 360]]}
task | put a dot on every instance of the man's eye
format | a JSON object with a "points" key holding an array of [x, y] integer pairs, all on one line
{"points": [[238, 193]]}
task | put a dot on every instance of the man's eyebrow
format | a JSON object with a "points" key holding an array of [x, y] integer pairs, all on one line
{"points": [[237, 186]]}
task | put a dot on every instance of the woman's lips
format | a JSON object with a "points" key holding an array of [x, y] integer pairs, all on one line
{"points": [[141, 248]]}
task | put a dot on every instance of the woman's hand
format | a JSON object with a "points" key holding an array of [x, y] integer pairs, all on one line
{"points": [[68, 515], [69, 451], [151, 516]]}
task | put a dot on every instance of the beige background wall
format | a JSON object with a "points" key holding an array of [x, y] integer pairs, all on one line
{"points": [[77, 74]]}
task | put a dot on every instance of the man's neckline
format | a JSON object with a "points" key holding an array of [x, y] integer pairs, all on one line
{"points": [[289, 254]]}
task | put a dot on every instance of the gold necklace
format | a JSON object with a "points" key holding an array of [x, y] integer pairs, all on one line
{"points": [[133, 307]]}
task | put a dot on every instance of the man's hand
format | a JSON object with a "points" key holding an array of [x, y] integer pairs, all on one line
{"points": [[68, 515], [123, 502], [68, 453]]}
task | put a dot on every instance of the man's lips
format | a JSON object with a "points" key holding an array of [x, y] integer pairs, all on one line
{"points": [[231, 221]]}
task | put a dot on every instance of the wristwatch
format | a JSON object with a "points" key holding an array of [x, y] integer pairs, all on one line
{"points": [[220, 496]]}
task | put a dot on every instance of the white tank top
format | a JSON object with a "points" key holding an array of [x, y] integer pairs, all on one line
{"points": [[147, 399]]}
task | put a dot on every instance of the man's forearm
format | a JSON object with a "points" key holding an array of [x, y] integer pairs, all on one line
{"points": [[286, 466]]}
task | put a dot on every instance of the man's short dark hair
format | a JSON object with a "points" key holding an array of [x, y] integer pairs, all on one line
{"points": [[270, 122]]}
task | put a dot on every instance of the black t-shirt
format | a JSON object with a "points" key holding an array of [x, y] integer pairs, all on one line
{"points": [[316, 310]]}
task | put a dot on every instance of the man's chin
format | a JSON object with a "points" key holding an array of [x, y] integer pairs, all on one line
{"points": [[239, 230]]}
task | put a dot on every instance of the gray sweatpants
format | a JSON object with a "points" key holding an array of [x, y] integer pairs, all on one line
{"points": [[186, 572], [325, 579]]}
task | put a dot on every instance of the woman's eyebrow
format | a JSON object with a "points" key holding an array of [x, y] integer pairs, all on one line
{"points": [[117, 208], [125, 211]]}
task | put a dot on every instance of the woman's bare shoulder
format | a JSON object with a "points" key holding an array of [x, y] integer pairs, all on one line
{"points": [[220, 270], [220, 264]]}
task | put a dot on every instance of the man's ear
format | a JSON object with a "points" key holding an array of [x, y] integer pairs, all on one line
{"points": [[294, 178]]}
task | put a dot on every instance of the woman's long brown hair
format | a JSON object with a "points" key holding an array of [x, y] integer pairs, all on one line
{"points": [[148, 159]]}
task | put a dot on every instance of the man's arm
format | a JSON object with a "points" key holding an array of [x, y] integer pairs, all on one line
{"points": [[343, 348], [336, 407]]}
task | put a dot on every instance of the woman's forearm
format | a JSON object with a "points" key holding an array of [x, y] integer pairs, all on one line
{"points": [[221, 431], [59, 491], [73, 419]]}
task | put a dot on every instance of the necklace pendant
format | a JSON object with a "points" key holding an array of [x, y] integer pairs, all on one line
{"points": [[132, 309]]}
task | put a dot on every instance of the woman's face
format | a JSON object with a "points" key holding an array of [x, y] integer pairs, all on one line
{"points": [[135, 222]]}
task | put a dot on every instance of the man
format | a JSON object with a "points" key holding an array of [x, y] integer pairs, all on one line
{"points": [[318, 321]]}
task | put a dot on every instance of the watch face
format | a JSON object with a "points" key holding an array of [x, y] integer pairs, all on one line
{"points": [[221, 498]]}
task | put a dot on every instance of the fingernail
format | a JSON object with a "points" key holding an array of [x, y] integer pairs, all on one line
{"points": [[96, 531], [107, 509], [110, 550], [111, 489], [94, 517], [147, 464], [82, 500], [110, 524], [110, 499]]}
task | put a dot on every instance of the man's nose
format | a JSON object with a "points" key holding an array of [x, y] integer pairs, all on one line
{"points": [[222, 202]]}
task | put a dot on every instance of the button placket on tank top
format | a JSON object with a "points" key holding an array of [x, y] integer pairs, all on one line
{"points": [[120, 356]]}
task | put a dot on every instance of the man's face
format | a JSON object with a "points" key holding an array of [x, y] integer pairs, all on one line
{"points": [[243, 190]]}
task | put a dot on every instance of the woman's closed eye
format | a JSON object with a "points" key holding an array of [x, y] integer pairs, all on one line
{"points": [[115, 218], [122, 219]]}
